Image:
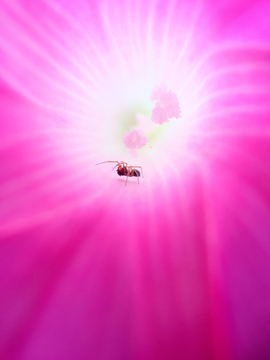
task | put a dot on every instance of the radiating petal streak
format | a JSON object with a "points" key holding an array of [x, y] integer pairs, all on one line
{"points": [[11, 50], [234, 48], [228, 94], [251, 132], [247, 69], [187, 39], [95, 67], [19, 87], [56, 42], [104, 10]]}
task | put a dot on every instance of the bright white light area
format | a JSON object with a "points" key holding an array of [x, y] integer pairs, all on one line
{"points": [[97, 80]]}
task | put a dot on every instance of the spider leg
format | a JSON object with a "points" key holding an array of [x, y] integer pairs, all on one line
{"points": [[107, 162], [132, 172], [119, 163], [129, 173], [115, 166], [138, 167], [126, 180]]}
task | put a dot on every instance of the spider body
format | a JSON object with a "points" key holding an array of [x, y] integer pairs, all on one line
{"points": [[124, 170]]}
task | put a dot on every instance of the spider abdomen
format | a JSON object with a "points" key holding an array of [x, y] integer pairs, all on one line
{"points": [[136, 173]]}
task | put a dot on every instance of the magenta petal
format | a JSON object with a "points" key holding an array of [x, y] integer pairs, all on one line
{"points": [[177, 266]]}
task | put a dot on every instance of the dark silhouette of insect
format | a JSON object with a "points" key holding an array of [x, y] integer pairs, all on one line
{"points": [[124, 170]]}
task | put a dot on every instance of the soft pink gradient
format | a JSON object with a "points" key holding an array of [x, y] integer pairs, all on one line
{"points": [[177, 267]]}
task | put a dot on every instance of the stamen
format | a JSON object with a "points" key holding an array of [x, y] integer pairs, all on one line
{"points": [[135, 139], [167, 105]]}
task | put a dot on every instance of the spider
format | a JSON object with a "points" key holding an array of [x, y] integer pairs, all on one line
{"points": [[125, 170]]}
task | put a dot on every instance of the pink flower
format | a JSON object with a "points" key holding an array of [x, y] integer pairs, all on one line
{"points": [[176, 267], [135, 139], [159, 115], [170, 103], [167, 105]]}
